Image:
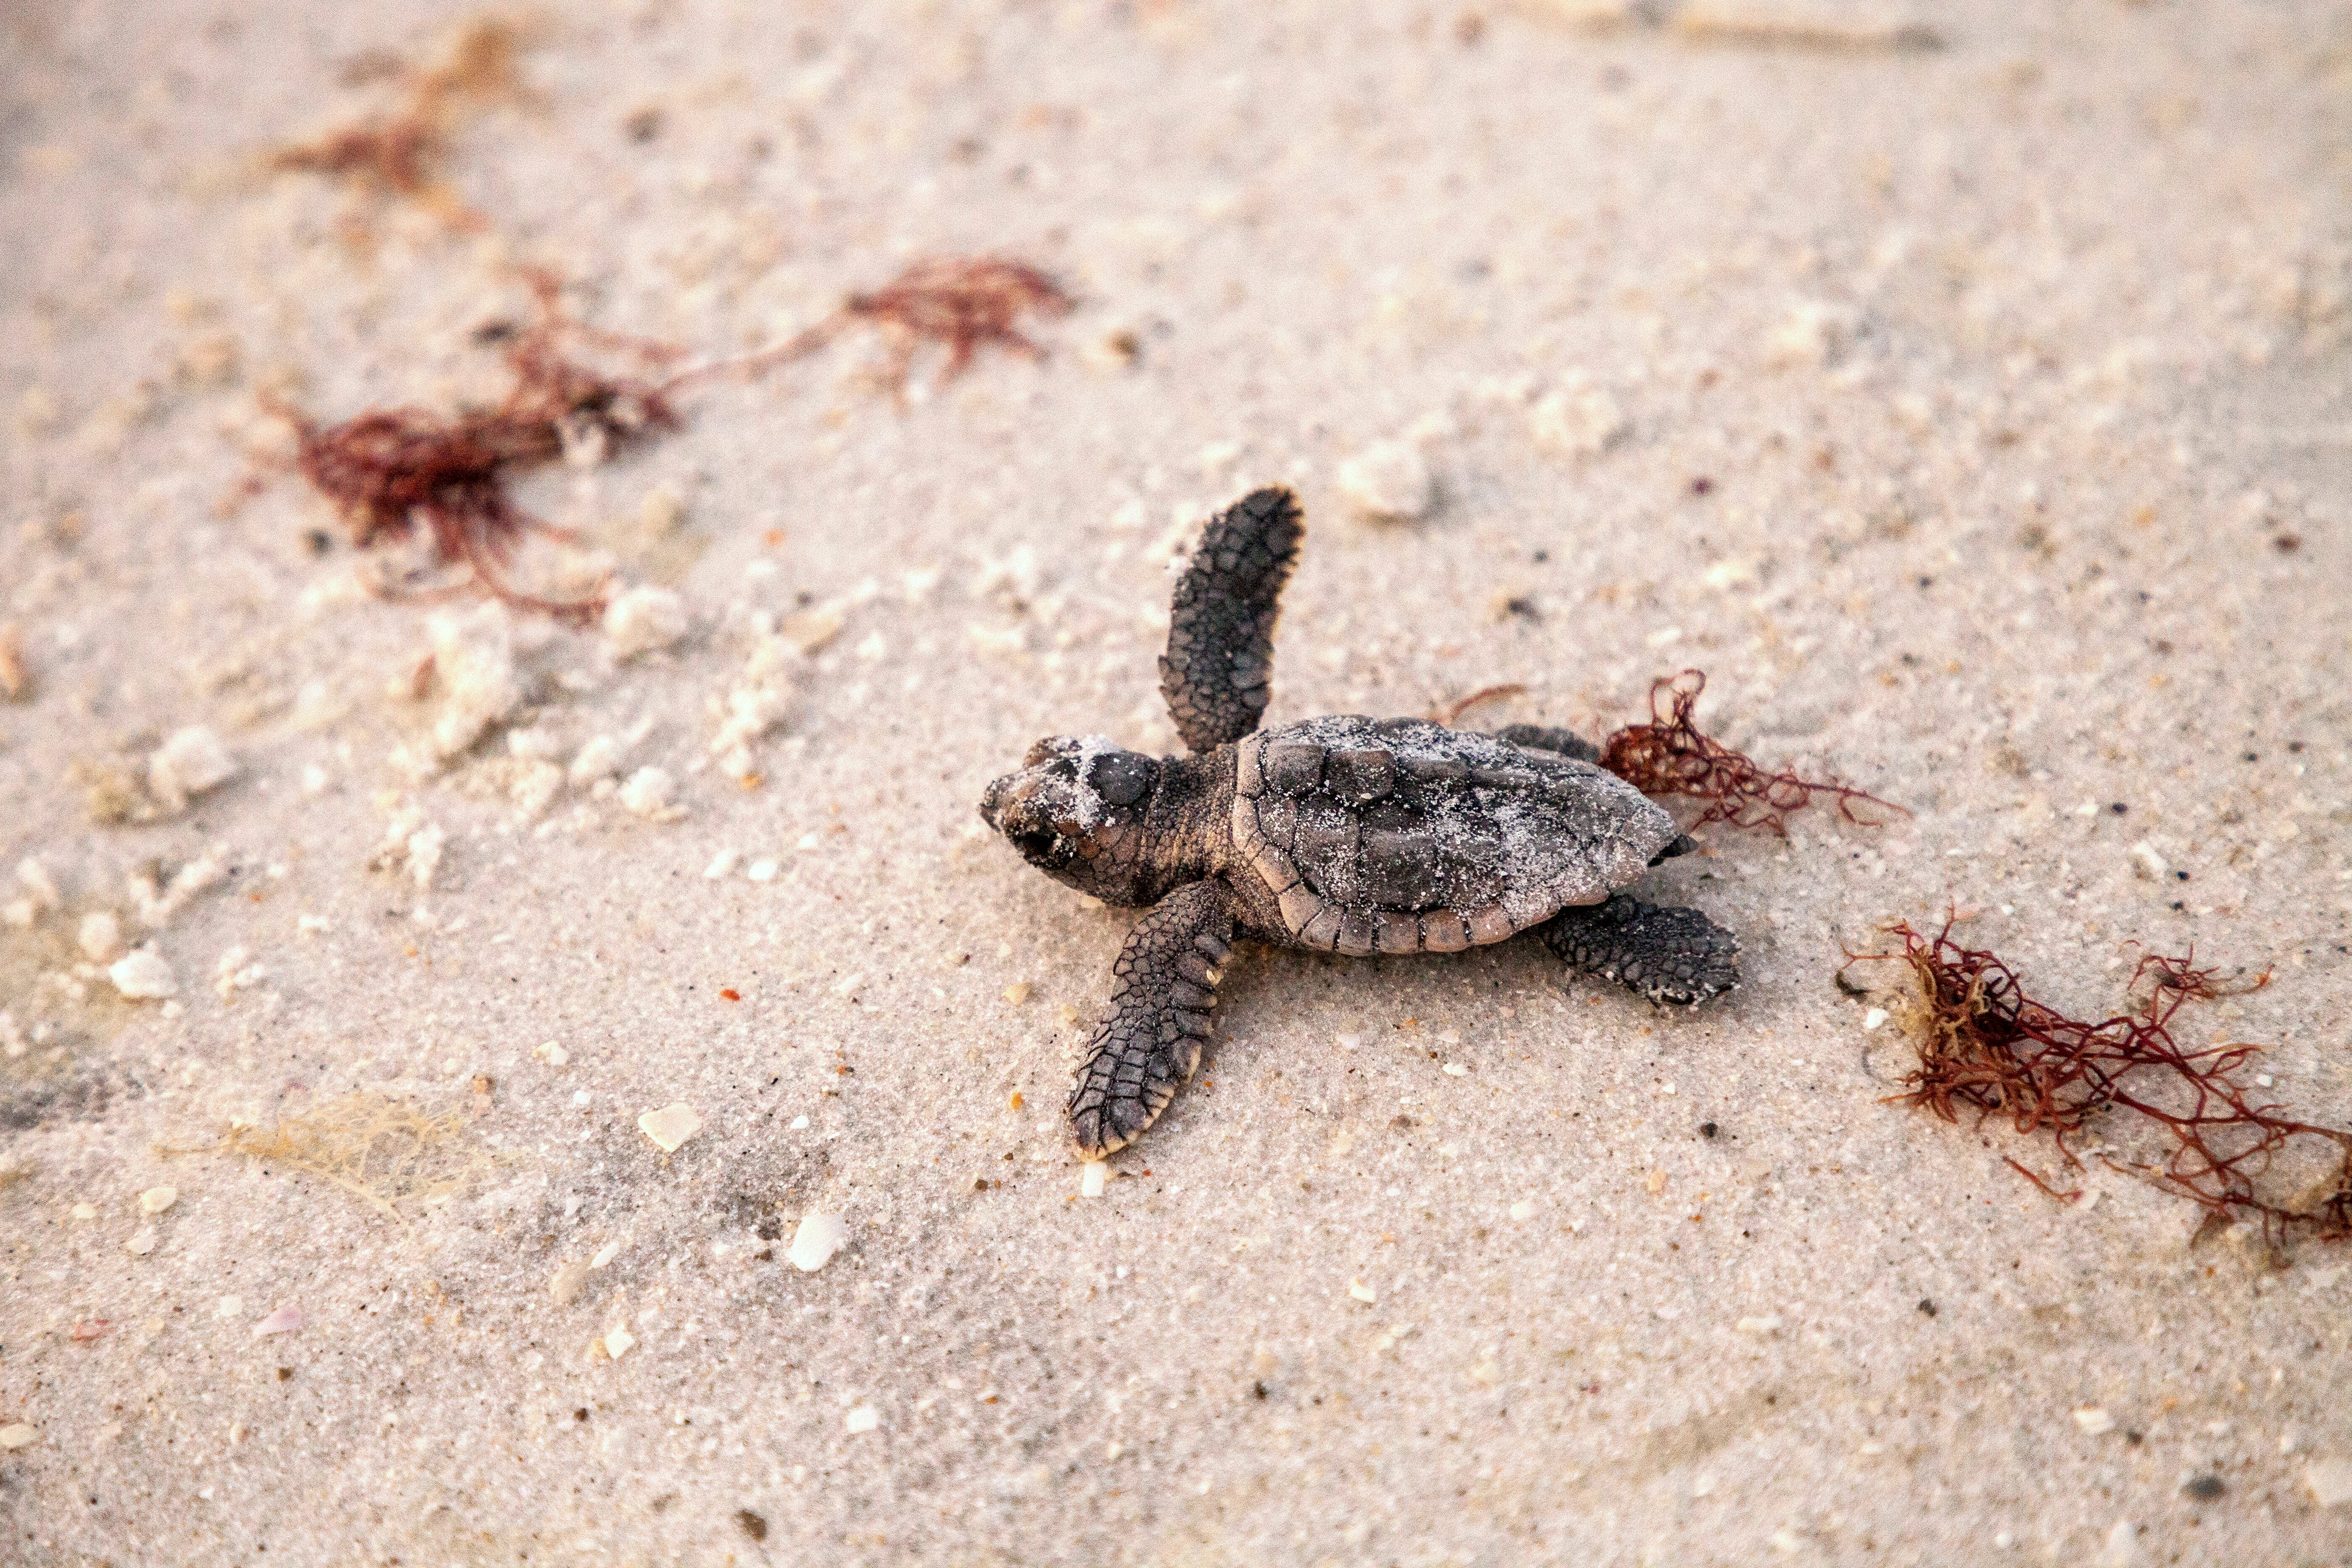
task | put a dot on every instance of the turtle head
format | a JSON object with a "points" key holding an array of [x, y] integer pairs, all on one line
{"points": [[1075, 811]]}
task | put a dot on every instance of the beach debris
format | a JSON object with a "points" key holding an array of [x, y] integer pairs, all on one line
{"points": [[17, 1435], [964, 303], [2329, 1481], [618, 1342], [397, 474], [1988, 1047], [604, 1255], [192, 760], [1388, 481], [644, 620], [402, 155], [237, 972], [142, 1241], [814, 1241], [755, 705], [1090, 1178], [383, 1151], [671, 1126], [156, 1199], [1814, 332], [157, 904], [2093, 1421], [1670, 756], [36, 881], [752, 1524], [229, 1306], [861, 1418], [551, 1053], [1759, 1327], [285, 1319], [598, 760], [411, 844], [142, 975], [1359, 1292]]}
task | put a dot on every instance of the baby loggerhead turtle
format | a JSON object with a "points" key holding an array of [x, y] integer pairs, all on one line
{"points": [[1341, 834]]}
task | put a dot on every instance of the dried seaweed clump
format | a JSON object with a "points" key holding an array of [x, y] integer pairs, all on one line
{"points": [[385, 1153], [401, 154], [1991, 1046], [964, 303], [394, 472], [1669, 755]]}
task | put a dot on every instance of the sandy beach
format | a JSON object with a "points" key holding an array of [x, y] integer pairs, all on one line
{"points": [[478, 1088]]}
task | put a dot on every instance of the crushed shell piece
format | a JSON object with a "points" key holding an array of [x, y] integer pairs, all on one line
{"points": [[862, 1418], [142, 976], [671, 1125], [17, 1434], [815, 1240], [618, 1343], [1359, 1292], [2094, 1421], [1090, 1179], [155, 1200], [284, 1320]]}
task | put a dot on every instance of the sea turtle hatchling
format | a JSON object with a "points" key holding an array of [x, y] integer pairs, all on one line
{"points": [[1342, 835]]}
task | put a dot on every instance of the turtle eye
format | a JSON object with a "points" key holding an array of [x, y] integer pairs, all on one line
{"points": [[1121, 777]]}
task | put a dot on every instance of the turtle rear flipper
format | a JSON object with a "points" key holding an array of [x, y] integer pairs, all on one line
{"points": [[1162, 988], [1218, 672], [1542, 738], [1667, 954]]}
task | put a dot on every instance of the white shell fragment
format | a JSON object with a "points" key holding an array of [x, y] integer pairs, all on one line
{"points": [[644, 620], [155, 1200], [671, 1125], [2094, 1421], [815, 1240], [184, 766], [1388, 481], [286, 1320], [473, 659], [17, 1435], [619, 1342], [142, 976], [862, 1418], [1090, 1179], [1359, 1292]]}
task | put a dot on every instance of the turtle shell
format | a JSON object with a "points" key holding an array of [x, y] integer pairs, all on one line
{"points": [[1402, 836]]}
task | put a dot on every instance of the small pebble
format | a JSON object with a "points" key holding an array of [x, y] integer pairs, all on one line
{"points": [[17, 1434], [1018, 992], [815, 1240], [1768, 1324], [1874, 1018], [551, 1053], [761, 871], [1359, 1292], [155, 1200], [1523, 1209], [1456, 1069], [2094, 1421], [229, 1307], [605, 1254], [143, 1243], [671, 1125], [1090, 1179], [862, 1418], [618, 1342], [85, 1211], [721, 865]]}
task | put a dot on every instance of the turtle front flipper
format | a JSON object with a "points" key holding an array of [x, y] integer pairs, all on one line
{"points": [[1667, 954], [1218, 672], [1162, 990]]}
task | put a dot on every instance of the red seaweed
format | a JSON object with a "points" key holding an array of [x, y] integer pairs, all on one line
{"points": [[1671, 756], [1990, 1047]]}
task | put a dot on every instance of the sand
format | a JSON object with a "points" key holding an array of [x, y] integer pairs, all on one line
{"points": [[2014, 369]]}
